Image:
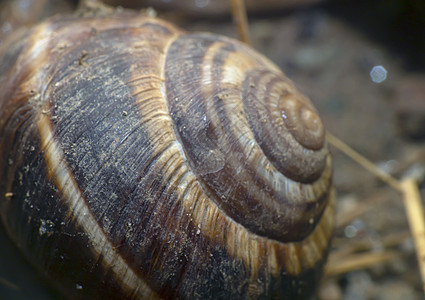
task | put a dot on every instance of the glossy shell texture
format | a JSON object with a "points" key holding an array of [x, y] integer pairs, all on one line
{"points": [[141, 161]]}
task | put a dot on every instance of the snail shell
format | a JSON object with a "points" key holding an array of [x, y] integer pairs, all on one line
{"points": [[141, 161]]}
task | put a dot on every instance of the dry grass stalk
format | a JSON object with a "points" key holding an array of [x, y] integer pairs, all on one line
{"points": [[361, 261], [241, 20], [415, 216], [365, 163]]}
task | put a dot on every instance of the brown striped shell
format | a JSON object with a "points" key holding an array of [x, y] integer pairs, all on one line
{"points": [[141, 161]]}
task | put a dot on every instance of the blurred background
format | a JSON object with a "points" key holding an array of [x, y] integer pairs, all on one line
{"points": [[329, 49]]}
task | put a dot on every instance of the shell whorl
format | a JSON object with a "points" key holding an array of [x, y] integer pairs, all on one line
{"points": [[252, 139], [177, 159]]}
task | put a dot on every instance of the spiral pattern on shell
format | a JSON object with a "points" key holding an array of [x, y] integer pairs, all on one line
{"points": [[141, 161]]}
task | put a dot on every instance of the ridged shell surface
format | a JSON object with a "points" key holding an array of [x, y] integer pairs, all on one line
{"points": [[141, 161]]}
